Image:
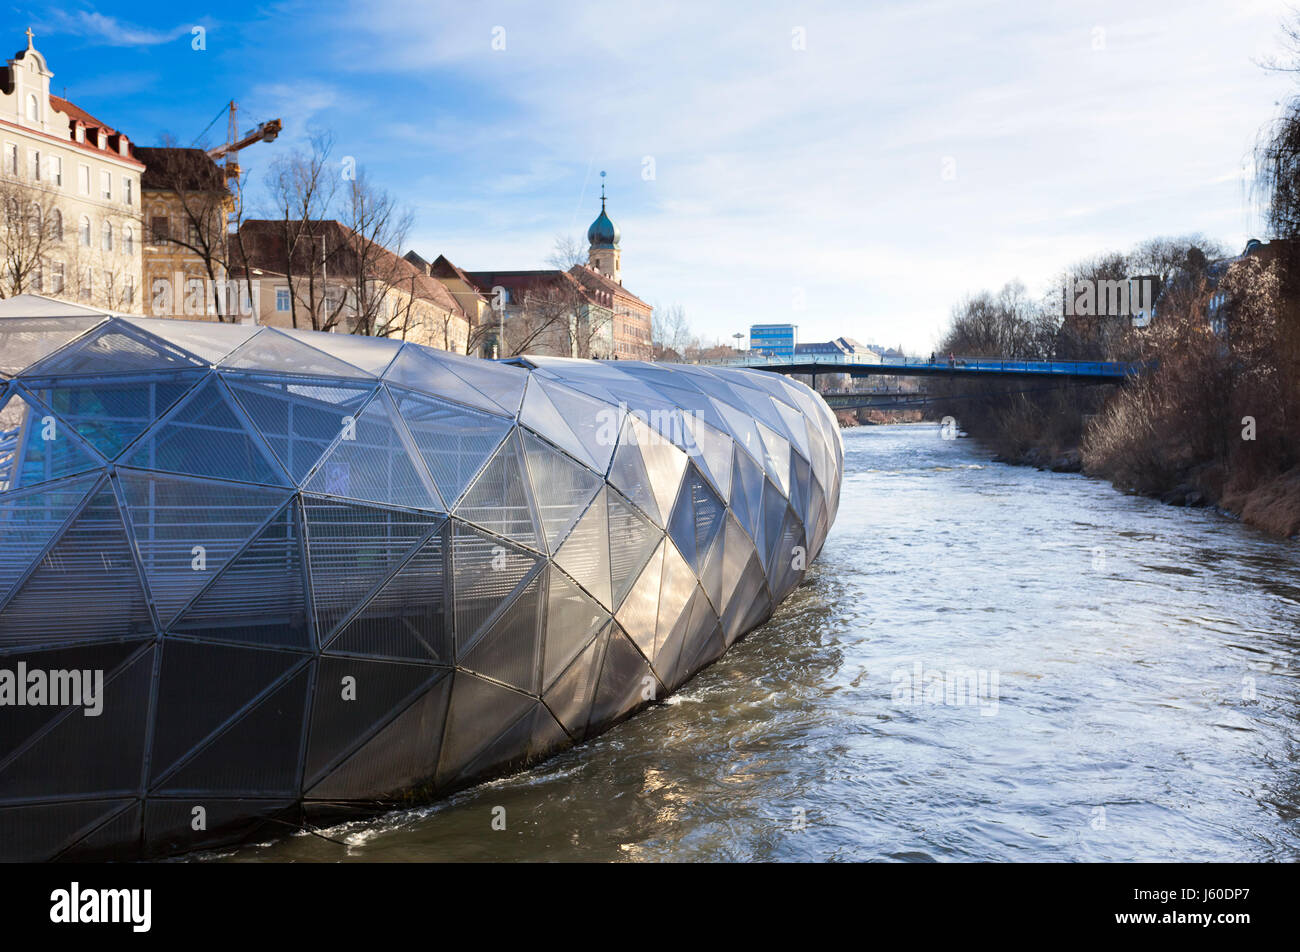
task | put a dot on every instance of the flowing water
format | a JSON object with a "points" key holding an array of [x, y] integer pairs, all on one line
{"points": [[986, 663]]}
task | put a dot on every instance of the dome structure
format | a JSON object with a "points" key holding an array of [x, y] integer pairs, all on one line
{"points": [[299, 575], [603, 233]]}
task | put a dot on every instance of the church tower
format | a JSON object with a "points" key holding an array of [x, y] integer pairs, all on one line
{"points": [[603, 254]]}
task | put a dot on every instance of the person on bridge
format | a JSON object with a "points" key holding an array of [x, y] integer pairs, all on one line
{"points": [[952, 360]]}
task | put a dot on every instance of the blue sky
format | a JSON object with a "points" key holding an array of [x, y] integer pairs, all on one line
{"points": [[853, 168]]}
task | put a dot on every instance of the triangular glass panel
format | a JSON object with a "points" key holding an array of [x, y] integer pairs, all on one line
{"points": [[501, 383], [206, 436], [510, 650], [298, 418], [403, 755], [35, 447], [187, 529], [453, 441], [255, 756], [208, 341], [90, 756], [774, 507], [702, 643], [744, 429], [570, 698], [795, 425], [540, 415], [353, 699], [562, 488], [749, 604], [499, 499], [627, 473], [572, 619], [623, 683], [200, 688], [369, 354], [260, 597], [352, 549], [679, 583], [86, 589], [115, 348], [711, 450], [481, 712], [408, 618], [370, 461], [664, 463], [800, 478], [776, 455], [29, 520], [639, 611], [594, 422], [585, 553], [632, 540], [487, 575], [417, 369], [696, 518], [548, 736], [272, 350], [108, 413], [747, 493], [25, 340]]}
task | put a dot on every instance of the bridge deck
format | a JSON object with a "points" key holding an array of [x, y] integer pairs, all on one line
{"points": [[856, 366]]}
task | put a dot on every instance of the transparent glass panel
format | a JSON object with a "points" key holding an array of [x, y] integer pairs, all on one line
{"points": [[409, 617], [260, 598], [453, 441], [481, 712], [276, 351], [86, 589], [417, 369], [627, 473], [25, 340], [744, 429], [501, 383], [678, 584], [29, 521], [371, 461], [108, 413], [696, 517], [35, 447], [298, 418], [510, 650], [186, 530], [621, 687], [207, 341], [639, 611], [369, 354], [572, 619], [595, 423], [352, 548], [632, 540], [487, 575], [747, 492], [499, 499], [562, 488], [569, 699], [585, 554], [795, 425], [540, 415], [711, 450], [115, 348], [206, 436]]}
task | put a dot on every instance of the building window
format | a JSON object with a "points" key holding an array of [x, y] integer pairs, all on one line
{"points": [[128, 240], [106, 237], [83, 230], [158, 227], [56, 225], [56, 278], [128, 290], [11, 158], [128, 191], [87, 284], [81, 133], [282, 299], [83, 179], [56, 170], [34, 165], [33, 108], [102, 139], [106, 186]]}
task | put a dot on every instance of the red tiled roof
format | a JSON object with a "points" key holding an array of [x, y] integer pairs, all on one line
{"points": [[594, 280]]}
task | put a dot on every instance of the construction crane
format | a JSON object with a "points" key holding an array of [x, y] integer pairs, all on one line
{"points": [[265, 132]]}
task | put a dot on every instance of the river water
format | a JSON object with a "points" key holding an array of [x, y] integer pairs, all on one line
{"points": [[986, 663]]}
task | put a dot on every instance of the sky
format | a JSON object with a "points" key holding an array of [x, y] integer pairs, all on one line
{"points": [[854, 168]]}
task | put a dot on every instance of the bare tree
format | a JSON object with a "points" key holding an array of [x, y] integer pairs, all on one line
{"points": [[31, 228], [565, 253], [302, 188], [377, 223], [670, 330]]}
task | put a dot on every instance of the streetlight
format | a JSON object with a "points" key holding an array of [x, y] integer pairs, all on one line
{"points": [[739, 338]]}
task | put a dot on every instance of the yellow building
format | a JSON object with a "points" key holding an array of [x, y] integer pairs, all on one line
{"points": [[70, 221]]}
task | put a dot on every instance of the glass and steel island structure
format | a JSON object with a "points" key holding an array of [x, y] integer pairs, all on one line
{"points": [[254, 578]]}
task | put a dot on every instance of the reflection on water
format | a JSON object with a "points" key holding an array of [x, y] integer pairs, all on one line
{"points": [[987, 663]]}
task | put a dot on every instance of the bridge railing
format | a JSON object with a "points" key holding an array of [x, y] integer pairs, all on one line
{"points": [[1072, 368]]}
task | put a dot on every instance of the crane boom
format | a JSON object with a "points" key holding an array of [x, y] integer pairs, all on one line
{"points": [[265, 132]]}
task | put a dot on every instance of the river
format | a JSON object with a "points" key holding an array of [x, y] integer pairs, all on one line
{"points": [[986, 663]]}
